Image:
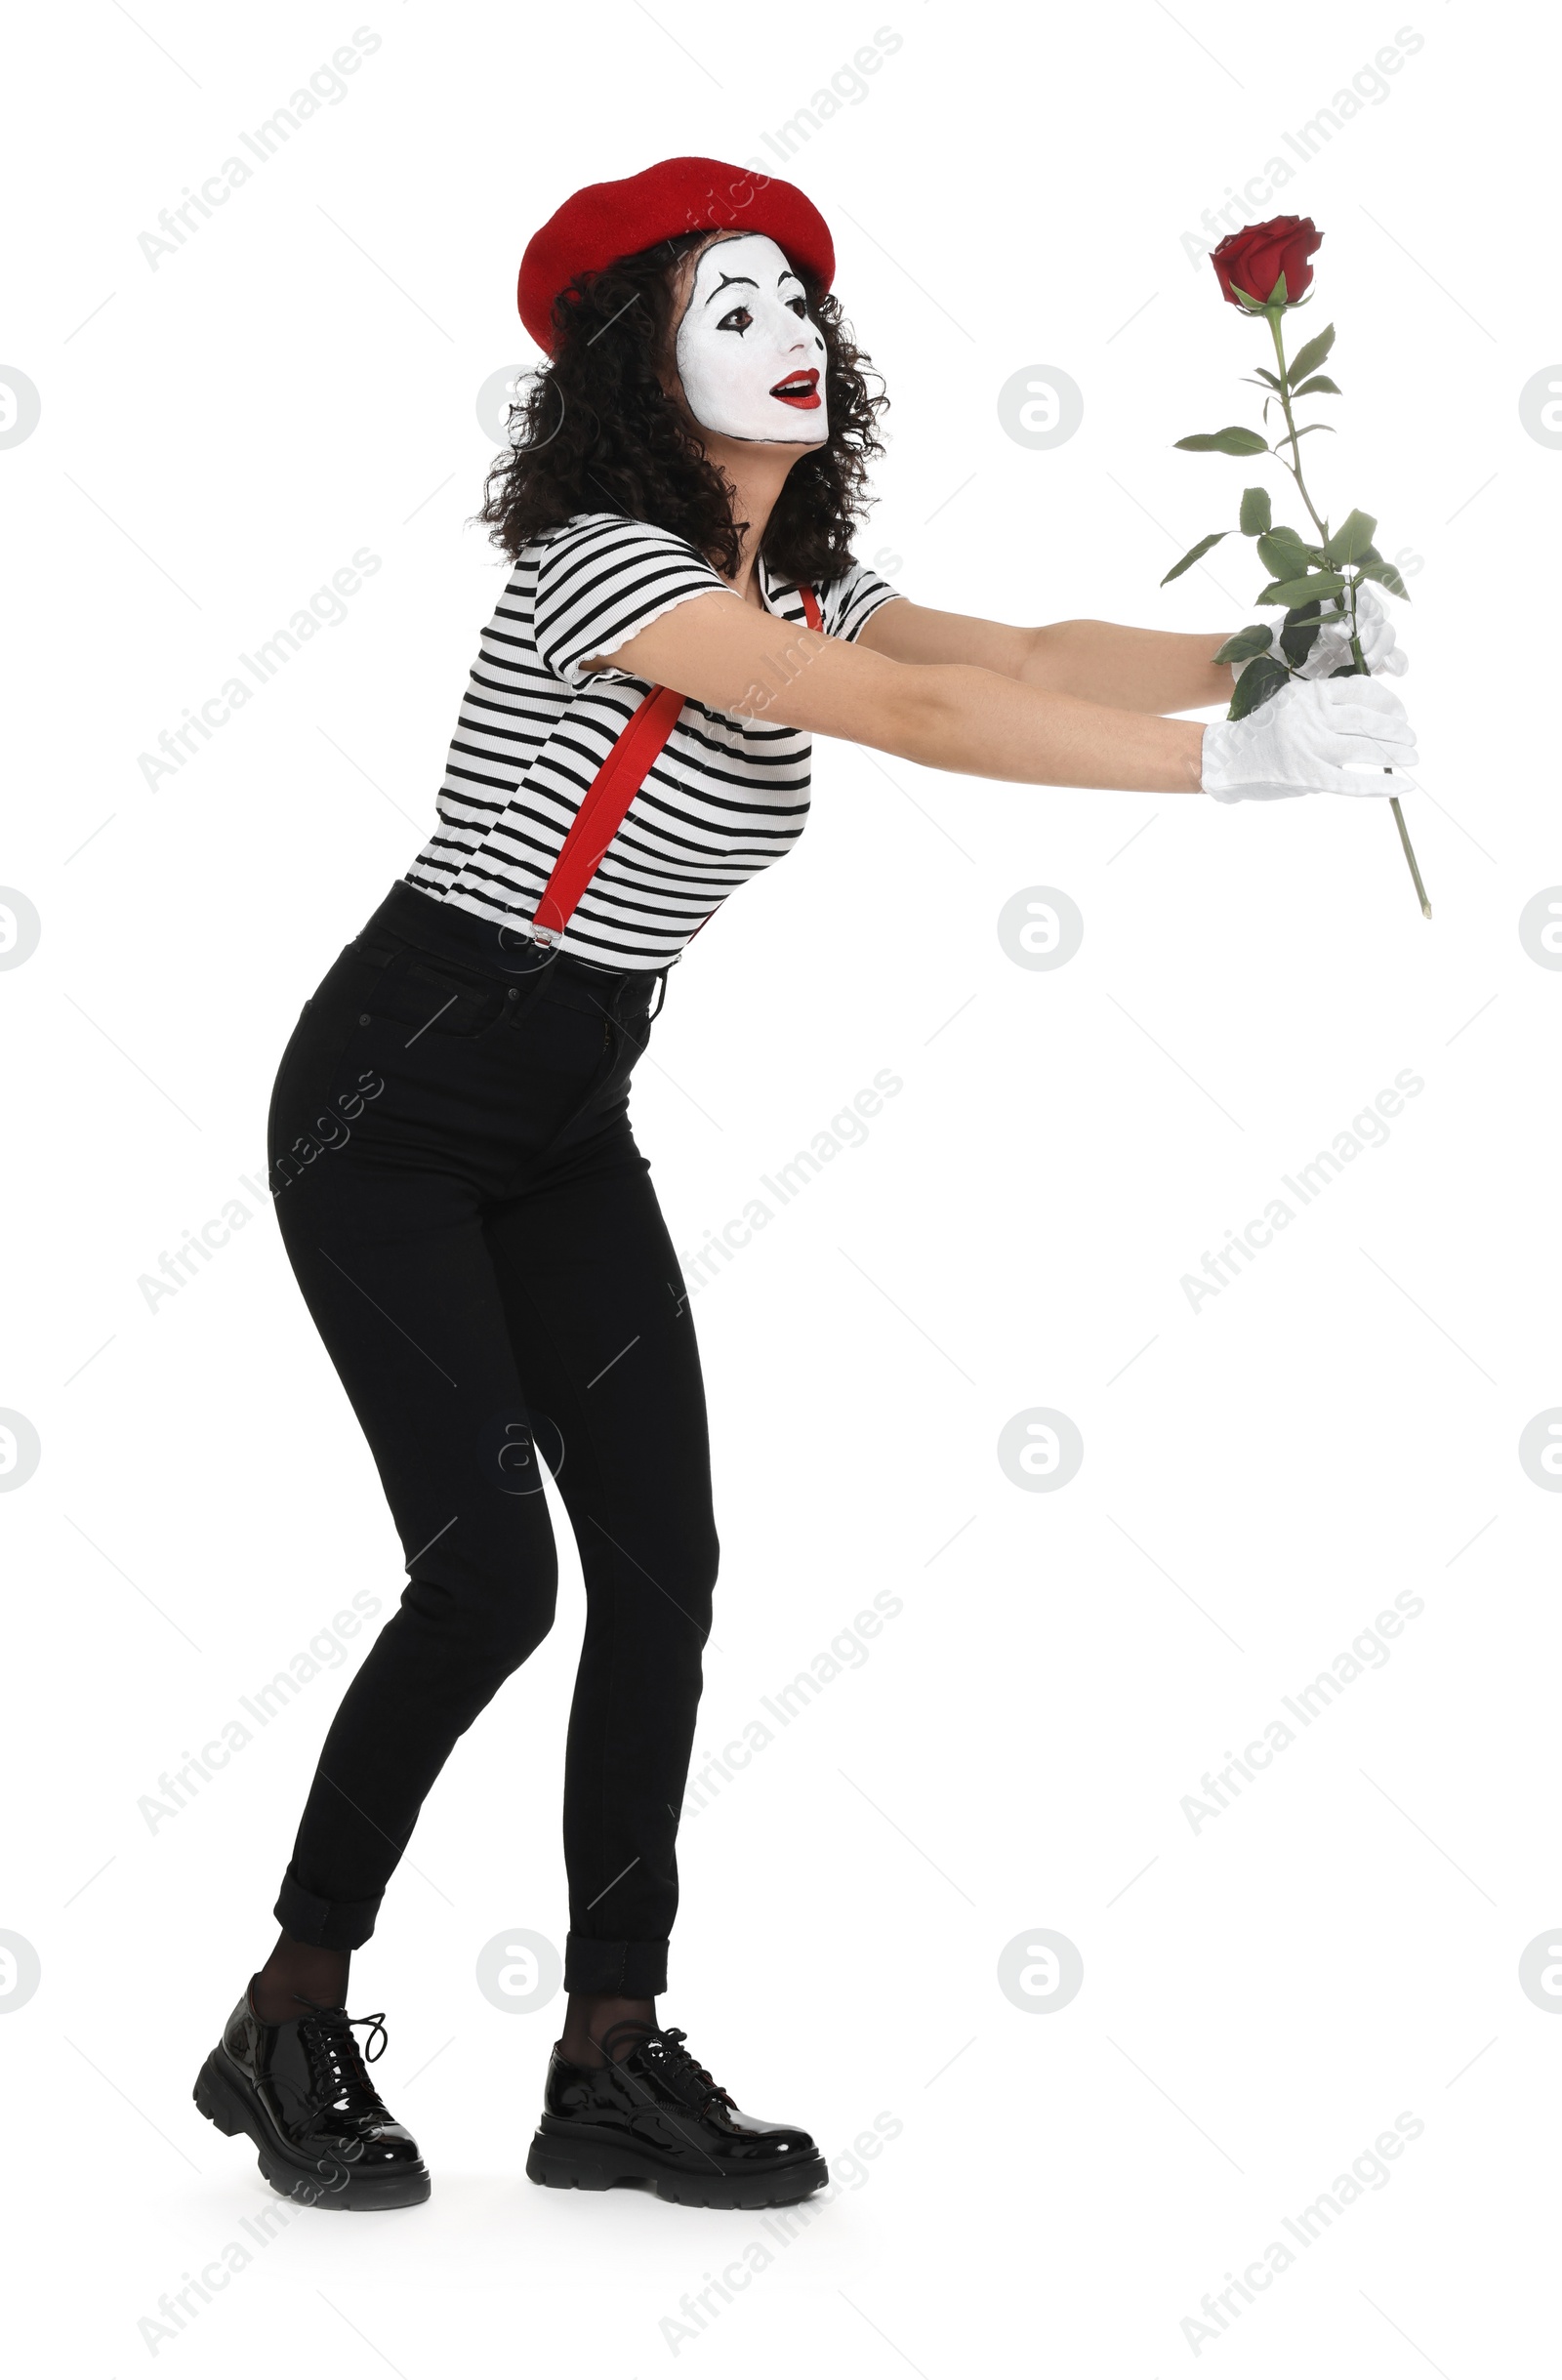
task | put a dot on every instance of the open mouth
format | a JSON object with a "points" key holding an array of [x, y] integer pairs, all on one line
{"points": [[802, 389]]}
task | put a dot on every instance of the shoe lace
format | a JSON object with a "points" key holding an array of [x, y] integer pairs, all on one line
{"points": [[664, 2047], [338, 2063]]}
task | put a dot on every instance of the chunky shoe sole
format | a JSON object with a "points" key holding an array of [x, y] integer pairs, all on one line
{"points": [[580, 2157], [224, 2099]]}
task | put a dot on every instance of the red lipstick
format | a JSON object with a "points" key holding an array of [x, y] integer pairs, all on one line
{"points": [[800, 389]]}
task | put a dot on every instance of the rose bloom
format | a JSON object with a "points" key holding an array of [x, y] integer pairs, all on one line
{"points": [[1254, 259]]}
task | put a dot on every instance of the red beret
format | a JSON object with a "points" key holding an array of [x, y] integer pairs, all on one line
{"points": [[607, 219]]}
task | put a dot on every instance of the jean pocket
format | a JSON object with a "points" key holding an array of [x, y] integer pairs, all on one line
{"points": [[574, 1024], [432, 998]]}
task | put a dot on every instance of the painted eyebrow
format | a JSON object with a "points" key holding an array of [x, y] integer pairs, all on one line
{"points": [[733, 280]]}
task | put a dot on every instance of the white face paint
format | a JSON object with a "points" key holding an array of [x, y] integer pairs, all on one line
{"points": [[751, 360]]}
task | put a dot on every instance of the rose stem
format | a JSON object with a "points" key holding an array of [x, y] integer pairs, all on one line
{"points": [[1393, 798], [1294, 469]]}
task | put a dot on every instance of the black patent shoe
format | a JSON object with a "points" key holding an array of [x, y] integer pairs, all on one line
{"points": [[651, 2116], [301, 2092]]}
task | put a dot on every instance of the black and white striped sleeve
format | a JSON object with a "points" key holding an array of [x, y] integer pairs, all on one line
{"points": [[600, 579], [850, 602]]}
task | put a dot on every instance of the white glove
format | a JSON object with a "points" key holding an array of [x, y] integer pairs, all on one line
{"points": [[1301, 740], [1331, 648], [1332, 645]]}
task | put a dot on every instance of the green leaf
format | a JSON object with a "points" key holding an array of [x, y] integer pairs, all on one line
{"points": [[1277, 296], [1320, 384], [1193, 555], [1307, 359], [1232, 441], [1270, 379], [1259, 682], [1329, 425], [1351, 538], [1247, 644], [1253, 306], [1255, 514], [1386, 576], [1301, 590], [1299, 636], [1283, 555]]}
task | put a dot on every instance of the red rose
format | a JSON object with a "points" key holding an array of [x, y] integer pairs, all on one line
{"points": [[1254, 259]]}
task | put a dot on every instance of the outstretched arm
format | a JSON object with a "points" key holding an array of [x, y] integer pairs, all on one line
{"points": [[1130, 669], [952, 713]]}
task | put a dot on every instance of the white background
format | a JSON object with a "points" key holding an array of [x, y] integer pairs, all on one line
{"points": [[1262, 1998]]}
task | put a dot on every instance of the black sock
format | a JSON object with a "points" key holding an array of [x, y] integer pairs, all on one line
{"points": [[590, 2016], [298, 1972]]}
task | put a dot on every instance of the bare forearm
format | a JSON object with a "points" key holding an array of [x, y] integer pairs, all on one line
{"points": [[963, 716], [980, 724], [1132, 669]]}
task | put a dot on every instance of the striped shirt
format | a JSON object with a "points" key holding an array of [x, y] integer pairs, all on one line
{"points": [[726, 796]]}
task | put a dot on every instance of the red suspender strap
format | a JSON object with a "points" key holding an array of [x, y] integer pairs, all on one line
{"points": [[605, 808], [609, 795]]}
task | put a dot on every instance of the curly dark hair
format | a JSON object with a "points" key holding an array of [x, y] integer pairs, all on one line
{"points": [[597, 431]]}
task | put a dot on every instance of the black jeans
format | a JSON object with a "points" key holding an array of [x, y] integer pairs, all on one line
{"points": [[479, 1244]]}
